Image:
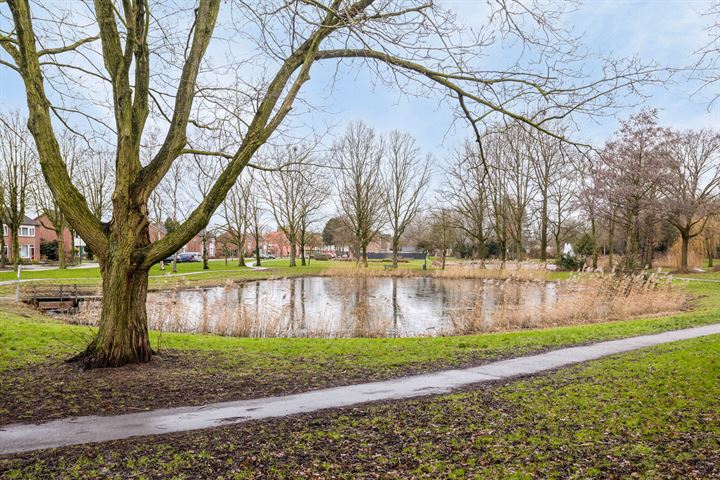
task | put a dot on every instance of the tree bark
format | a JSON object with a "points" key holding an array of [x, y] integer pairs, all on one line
{"points": [[544, 228], [122, 336], [611, 242], [594, 245], [204, 251], [293, 253], [684, 250], [15, 249], [395, 246], [257, 250], [60, 250], [241, 251], [302, 254], [2, 246]]}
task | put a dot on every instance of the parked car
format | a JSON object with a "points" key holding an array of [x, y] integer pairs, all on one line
{"points": [[171, 258], [188, 257], [267, 256]]}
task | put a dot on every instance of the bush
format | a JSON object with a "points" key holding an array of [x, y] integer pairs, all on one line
{"points": [[570, 262], [49, 250], [584, 245]]}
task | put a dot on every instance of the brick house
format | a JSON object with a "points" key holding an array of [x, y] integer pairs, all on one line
{"points": [[45, 233], [27, 237], [195, 245]]}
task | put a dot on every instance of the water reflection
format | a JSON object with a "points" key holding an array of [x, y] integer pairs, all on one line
{"points": [[347, 306]]}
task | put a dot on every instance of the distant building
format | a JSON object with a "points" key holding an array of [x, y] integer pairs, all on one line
{"points": [[27, 237], [195, 245]]}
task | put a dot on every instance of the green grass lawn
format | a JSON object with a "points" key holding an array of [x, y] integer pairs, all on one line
{"points": [[35, 383], [647, 414]]}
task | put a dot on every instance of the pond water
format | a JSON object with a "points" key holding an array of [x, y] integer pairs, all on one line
{"points": [[351, 307]]}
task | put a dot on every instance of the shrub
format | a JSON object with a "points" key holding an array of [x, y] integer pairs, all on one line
{"points": [[570, 262], [49, 250]]}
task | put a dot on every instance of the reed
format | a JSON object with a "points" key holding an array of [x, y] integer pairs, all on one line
{"points": [[584, 298], [466, 271]]}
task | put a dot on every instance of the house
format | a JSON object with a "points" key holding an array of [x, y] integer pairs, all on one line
{"points": [[276, 243], [195, 245], [45, 234], [27, 237]]}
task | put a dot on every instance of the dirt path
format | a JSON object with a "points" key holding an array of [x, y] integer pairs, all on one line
{"points": [[21, 438]]}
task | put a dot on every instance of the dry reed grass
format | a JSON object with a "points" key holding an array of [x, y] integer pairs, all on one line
{"points": [[583, 299], [466, 271]]}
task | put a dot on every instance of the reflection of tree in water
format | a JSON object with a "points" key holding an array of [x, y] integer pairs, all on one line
{"points": [[303, 325], [291, 305], [397, 313], [361, 312]]}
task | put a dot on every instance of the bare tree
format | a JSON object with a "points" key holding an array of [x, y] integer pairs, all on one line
{"points": [[707, 66], [405, 181], [257, 221], [45, 204], [693, 187], [17, 161], [562, 193], [171, 192], [520, 187], [631, 170], [415, 46], [292, 193], [236, 213], [94, 174], [358, 157], [311, 204], [546, 157], [442, 231], [467, 193]]}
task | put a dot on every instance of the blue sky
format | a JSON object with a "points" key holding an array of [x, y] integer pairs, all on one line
{"points": [[666, 31]]}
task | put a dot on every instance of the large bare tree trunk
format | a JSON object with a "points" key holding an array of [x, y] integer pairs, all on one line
{"points": [[684, 250], [293, 254], [205, 251], [60, 250], [15, 249], [122, 337], [395, 246]]}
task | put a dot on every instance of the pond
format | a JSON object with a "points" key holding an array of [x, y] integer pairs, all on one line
{"points": [[352, 307]]}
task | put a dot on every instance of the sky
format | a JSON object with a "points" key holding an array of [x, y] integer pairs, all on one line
{"points": [[664, 31], [668, 32]]}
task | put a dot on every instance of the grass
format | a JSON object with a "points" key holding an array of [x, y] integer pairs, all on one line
{"points": [[192, 274], [37, 385], [648, 414]]}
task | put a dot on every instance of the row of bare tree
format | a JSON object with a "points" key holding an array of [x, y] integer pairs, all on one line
{"points": [[223, 79], [23, 190]]}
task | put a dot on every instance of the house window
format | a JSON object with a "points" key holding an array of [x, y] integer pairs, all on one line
{"points": [[27, 251], [26, 231], [5, 231]]}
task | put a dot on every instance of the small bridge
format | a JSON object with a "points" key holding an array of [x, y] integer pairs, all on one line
{"points": [[60, 299]]}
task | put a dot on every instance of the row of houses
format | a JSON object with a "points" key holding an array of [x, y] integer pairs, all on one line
{"points": [[34, 232]]}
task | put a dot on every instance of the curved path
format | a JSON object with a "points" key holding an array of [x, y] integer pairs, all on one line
{"points": [[72, 431]]}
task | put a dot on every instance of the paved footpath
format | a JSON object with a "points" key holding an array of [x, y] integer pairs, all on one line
{"points": [[72, 431]]}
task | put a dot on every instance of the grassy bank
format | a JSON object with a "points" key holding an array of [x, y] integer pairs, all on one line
{"points": [[646, 414], [192, 274], [35, 383]]}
